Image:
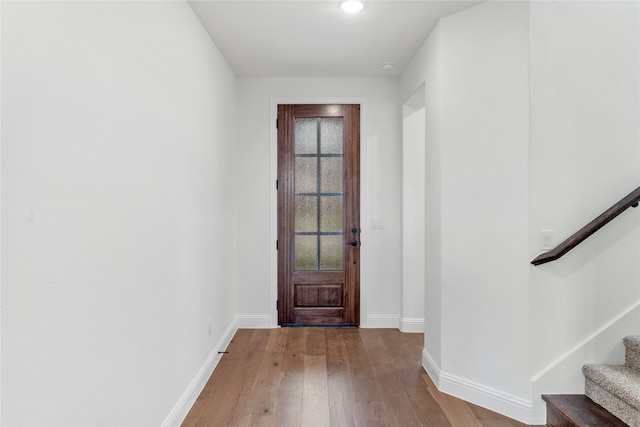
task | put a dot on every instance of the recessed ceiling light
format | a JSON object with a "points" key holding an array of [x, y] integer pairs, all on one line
{"points": [[387, 65], [351, 6]]}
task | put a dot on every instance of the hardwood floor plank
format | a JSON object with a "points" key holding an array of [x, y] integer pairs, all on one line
{"points": [[252, 420], [456, 410], [316, 344], [392, 391], [369, 407], [262, 399], [315, 394], [192, 422], [429, 411], [290, 391], [277, 340], [490, 419], [329, 377], [399, 406], [341, 402], [218, 400], [381, 359], [407, 371], [246, 375]]}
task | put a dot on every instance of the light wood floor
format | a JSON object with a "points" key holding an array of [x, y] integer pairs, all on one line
{"points": [[329, 377]]}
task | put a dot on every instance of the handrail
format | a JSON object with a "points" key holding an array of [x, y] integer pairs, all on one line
{"points": [[630, 200]]}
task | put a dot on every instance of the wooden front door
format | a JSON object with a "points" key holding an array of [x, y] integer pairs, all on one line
{"points": [[319, 215]]}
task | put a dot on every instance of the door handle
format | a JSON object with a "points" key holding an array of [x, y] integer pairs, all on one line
{"points": [[354, 243]]}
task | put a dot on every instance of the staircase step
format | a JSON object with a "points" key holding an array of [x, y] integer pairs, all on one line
{"points": [[632, 352], [616, 388], [577, 410]]}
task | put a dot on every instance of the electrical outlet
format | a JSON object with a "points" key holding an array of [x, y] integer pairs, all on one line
{"points": [[377, 222], [546, 239]]}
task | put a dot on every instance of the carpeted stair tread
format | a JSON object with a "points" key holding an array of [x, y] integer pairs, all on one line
{"points": [[632, 352], [619, 380], [577, 410]]}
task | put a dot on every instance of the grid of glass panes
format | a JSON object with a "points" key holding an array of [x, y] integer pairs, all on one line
{"points": [[318, 194]]}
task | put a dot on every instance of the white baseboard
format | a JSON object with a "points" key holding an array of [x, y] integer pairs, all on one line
{"points": [[188, 398], [478, 394], [429, 365], [254, 322], [415, 325], [382, 321], [495, 400]]}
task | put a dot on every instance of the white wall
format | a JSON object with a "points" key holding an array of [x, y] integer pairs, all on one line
{"points": [[498, 171], [413, 218], [430, 60], [382, 186], [117, 213], [475, 66], [485, 198], [585, 119]]}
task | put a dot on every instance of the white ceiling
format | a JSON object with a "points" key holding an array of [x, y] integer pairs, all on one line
{"points": [[316, 38]]}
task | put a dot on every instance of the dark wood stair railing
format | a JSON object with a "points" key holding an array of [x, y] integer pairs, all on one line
{"points": [[630, 200]]}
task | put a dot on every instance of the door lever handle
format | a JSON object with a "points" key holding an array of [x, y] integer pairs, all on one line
{"points": [[354, 243]]}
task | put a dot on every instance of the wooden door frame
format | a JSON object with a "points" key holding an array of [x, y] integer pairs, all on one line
{"points": [[273, 166]]}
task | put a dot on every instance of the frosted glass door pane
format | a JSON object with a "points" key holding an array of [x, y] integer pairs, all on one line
{"points": [[306, 253], [331, 174], [331, 132], [331, 213], [306, 179], [306, 213], [331, 253], [306, 136], [318, 184]]}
